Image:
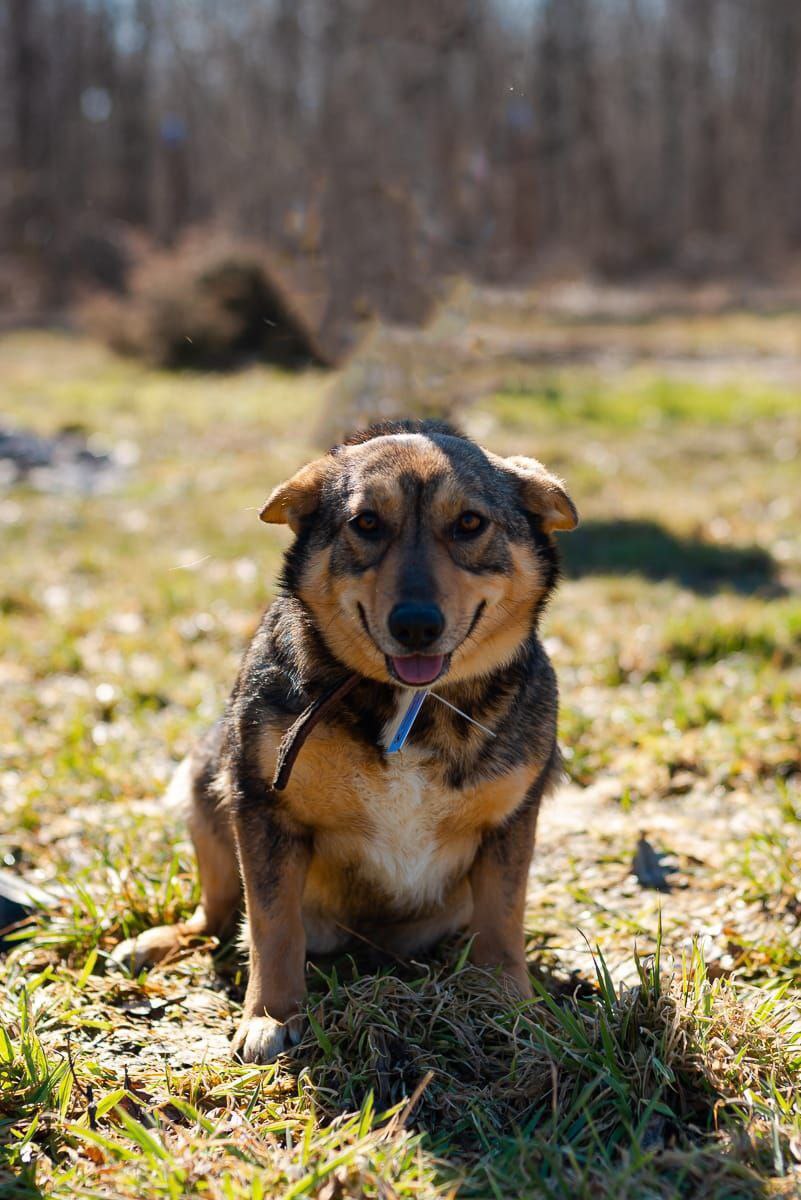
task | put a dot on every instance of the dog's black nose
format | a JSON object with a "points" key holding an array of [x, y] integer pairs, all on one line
{"points": [[416, 626]]}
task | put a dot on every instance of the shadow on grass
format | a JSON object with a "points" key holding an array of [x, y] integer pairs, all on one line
{"points": [[647, 549], [584, 1089]]}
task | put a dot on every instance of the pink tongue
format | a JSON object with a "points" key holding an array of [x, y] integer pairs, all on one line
{"points": [[418, 669]]}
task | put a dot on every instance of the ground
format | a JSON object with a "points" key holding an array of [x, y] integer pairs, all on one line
{"points": [[661, 1055]]}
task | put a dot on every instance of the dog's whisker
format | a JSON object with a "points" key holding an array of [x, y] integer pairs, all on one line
{"points": [[461, 713]]}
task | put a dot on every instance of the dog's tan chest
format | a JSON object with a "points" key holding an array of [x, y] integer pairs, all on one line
{"points": [[400, 848], [387, 826]]}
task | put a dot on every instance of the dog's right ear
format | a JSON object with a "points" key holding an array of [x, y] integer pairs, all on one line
{"points": [[541, 492], [298, 497]]}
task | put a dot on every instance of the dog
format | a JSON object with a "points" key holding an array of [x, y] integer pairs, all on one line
{"points": [[420, 561]]}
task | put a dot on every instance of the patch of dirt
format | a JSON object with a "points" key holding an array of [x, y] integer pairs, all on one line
{"points": [[580, 881]]}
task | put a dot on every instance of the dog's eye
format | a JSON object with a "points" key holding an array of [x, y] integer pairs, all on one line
{"points": [[367, 523], [469, 525]]}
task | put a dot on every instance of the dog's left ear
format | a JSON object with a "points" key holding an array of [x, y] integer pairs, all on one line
{"points": [[542, 493], [298, 497]]}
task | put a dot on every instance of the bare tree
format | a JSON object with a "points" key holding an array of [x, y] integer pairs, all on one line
{"points": [[393, 142]]}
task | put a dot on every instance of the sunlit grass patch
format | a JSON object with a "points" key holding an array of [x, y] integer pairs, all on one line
{"points": [[82, 1127], [637, 398], [757, 630], [676, 639], [91, 387], [419, 1078], [767, 863]]}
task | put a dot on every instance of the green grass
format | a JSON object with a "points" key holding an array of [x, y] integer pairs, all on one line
{"points": [[764, 632], [662, 1053], [638, 398]]}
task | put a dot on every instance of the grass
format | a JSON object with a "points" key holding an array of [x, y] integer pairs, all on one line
{"points": [[638, 398], [662, 1053]]}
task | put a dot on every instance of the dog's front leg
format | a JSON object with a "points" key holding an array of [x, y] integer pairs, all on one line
{"points": [[498, 879], [274, 861]]}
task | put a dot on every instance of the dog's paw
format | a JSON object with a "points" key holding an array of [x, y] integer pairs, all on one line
{"points": [[518, 983], [511, 975], [262, 1039], [149, 948]]}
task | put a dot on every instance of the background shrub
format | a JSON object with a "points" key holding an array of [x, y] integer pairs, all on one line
{"points": [[207, 303]]}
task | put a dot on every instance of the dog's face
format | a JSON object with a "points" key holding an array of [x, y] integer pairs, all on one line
{"points": [[419, 555]]}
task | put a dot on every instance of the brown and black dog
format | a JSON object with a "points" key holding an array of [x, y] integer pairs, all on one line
{"points": [[420, 560]]}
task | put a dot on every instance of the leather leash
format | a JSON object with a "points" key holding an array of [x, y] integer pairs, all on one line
{"points": [[295, 736]]}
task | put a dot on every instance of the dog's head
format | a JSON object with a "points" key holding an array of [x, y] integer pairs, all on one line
{"points": [[419, 554]]}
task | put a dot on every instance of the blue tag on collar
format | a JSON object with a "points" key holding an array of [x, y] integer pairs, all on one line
{"points": [[405, 722]]}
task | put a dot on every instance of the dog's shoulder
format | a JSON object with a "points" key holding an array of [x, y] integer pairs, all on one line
{"points": [[271, 677]]}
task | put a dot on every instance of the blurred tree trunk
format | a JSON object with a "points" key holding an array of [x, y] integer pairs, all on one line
{"points": [[24, 66], [134, 145]]}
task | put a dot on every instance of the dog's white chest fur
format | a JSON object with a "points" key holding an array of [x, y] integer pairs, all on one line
{"points": [[402, 849]]}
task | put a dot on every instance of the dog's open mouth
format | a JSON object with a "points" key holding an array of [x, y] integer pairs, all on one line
{"points": [[417, 670]]}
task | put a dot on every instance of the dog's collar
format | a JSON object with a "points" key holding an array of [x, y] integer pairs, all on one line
{"points": [[295, 736]]}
